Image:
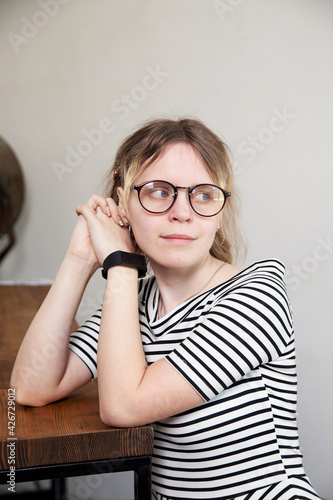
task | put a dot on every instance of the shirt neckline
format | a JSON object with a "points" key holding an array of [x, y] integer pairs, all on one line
{"points": [[152, 299]]}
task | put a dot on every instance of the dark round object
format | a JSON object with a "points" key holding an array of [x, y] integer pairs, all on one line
{"points": [[11, 188]]}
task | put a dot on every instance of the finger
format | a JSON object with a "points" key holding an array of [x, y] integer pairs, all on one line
{"points": [[84, 210], [120, 221], [98, 201], [117, 217], [89, 213], [78, 209]]}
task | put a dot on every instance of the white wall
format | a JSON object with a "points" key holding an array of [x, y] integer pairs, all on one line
{"points": [[237, 65]]}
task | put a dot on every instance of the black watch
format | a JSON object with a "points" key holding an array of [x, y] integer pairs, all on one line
{"points": [[125, 259]]}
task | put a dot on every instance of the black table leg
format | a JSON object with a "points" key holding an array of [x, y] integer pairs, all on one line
{"points": [[59, 488], [142, 486]]}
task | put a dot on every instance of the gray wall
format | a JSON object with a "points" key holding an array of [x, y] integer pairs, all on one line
{"points": [[258, 72]]}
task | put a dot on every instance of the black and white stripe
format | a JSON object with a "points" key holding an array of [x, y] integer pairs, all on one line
{"points": [[84, 342], [235, 345]]}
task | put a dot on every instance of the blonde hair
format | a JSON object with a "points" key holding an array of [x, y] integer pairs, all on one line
{"points": [[148, 143]]}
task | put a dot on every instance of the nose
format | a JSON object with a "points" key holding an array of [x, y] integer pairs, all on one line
{"points": [[181, 209]]}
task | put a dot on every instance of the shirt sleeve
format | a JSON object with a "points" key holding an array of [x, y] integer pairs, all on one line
{"points": [[83, 342], [248, 327]]}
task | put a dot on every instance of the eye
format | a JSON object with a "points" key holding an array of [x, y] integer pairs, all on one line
{"points": [[202, 196], [159, 193]]}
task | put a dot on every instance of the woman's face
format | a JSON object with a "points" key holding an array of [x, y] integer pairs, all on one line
{"points": [[178, 238]]}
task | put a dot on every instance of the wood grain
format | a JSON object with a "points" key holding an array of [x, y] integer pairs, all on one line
{"points": [[67, 431], [18, 306]]}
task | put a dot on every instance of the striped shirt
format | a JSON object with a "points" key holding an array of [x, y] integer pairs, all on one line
{"points": [[235, 345]]}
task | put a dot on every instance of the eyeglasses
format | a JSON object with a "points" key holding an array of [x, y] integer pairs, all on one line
{"points": [[158, 197]]}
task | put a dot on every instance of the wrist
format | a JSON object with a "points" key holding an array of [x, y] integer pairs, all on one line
{"points": [[121, 282], [76, 264], [124, 259]]}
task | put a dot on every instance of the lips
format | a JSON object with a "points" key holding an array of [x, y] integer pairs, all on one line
{"points": [[178, 239]]}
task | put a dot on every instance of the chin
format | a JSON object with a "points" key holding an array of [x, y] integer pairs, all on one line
{"points": [[175, 262]]}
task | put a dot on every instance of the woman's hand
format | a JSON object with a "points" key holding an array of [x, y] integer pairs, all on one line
{"points": [[105, 231], [80, 246]]}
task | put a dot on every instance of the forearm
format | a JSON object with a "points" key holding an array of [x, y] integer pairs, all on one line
{"points": [[121, 360], [42, 359]]}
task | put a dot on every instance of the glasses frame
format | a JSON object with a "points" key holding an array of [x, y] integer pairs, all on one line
{"points": [[138, 188]]}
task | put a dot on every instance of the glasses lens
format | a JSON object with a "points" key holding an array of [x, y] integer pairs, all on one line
{"points": [[157, 196], [207, 199]]}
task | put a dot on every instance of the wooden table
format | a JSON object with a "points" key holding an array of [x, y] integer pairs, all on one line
{"points": [[62, 439]]}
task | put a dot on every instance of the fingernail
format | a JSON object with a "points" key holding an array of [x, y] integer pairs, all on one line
{"points": [[108, 211], [120, 220]]}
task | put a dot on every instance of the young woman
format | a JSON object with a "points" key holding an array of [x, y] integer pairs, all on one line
{"points": [[204, 351]]}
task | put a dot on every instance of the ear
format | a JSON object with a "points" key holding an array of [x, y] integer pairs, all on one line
{"points": [[122, 204]]}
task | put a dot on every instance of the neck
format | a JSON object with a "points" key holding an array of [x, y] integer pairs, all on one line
{"points": [[177, 286]]}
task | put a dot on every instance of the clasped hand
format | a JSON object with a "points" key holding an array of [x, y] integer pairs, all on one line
{"points": [[100, 231]]}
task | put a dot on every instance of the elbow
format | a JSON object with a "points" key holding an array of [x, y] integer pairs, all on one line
{"points": [[27, 395], [27, 398], [119, 417], [109, 420], [112, 418]]}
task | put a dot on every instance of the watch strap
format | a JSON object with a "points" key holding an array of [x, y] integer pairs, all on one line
{"points": [[126, 259]]}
